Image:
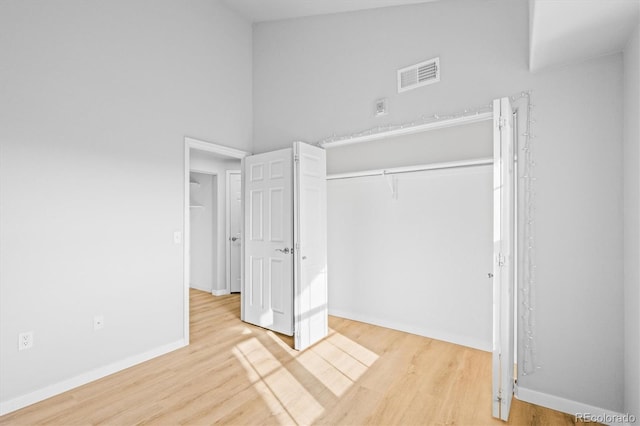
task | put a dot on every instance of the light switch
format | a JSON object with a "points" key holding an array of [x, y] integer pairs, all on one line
{"points": [[381, 107]]}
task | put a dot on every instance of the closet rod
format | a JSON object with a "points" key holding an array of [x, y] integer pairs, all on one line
{"points": [[410, 169]]}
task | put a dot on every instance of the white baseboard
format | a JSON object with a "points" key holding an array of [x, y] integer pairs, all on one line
{"points": [[197, 287], [420, 331], [82, 379], [220, 292], [573, 408]]}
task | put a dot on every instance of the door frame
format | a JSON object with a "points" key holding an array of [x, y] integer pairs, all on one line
{"points": [[221, 151], [228, 227], [505, 257]]}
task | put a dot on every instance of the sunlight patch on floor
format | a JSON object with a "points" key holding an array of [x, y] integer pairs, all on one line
{"points": [[274, 404], [259, 357], [343, 361], [337, 362], [332, 378], [294, 397], [252, 374], [357, 351], [277, 386]]}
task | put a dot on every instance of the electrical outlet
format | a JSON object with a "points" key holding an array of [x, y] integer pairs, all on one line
{"points": [[25, 340], [98, 322]]}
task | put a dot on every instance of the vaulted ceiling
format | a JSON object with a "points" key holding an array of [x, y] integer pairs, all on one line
{"points": [[567, 31], [560, 31], [271, 10]]}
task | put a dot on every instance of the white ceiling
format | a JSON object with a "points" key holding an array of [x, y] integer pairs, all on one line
{"points": [[271, 10], [566, 31]]}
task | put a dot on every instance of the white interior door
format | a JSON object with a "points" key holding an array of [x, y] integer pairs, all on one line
{"points": [[234, 217], [503, 269], [268, 294], [310, 230]]}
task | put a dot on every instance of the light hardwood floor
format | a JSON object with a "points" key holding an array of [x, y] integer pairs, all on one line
{"points": [[234, 373]]}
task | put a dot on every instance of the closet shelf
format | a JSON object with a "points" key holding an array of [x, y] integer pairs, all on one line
{"points": [[196, 206], [194, 182]]}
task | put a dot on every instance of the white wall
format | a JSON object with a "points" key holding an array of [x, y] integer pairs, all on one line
{"points": [[632, 224], [418, 263], [210, 163], [203, 231], [95, 101], [317, 76]]}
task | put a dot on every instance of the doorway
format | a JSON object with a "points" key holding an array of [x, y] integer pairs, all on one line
{"points": [[204, 161], [307, 196]]}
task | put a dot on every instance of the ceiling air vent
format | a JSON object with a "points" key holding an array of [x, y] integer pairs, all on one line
{"points": [[417, 75]]}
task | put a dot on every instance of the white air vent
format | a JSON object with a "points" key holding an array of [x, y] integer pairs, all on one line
{"points": [[417, 75]]}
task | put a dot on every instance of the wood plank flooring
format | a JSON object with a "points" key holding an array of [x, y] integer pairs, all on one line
{"points": [[237, 374]]}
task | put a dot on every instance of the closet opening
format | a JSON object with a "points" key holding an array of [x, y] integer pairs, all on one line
{"points": [[410, 232], [422, 234]]}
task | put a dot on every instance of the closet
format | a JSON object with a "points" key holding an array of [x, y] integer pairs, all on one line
{"points": [[422, 232], [410, 233]]}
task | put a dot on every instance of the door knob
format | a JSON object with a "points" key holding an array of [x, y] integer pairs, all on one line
{"points": [[285, 250], [234, 239], [489, 275]]}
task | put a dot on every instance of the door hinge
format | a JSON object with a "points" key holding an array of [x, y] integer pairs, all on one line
{"points": [[501, 260], [502, 122], [296, 158]]}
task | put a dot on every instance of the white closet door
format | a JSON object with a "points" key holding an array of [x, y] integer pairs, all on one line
{"points": [[503, 270], [268, 295], [310, 230]]}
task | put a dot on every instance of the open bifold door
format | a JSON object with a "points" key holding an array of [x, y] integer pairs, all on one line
{"points": [[503, 267], [285, 250], [310, 230]]}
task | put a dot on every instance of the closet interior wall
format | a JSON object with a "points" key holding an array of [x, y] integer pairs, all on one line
{"points": [[413, 251]]}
